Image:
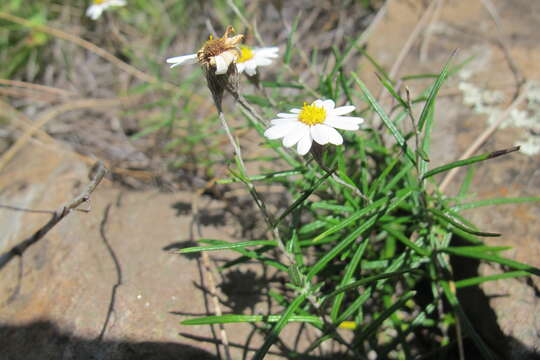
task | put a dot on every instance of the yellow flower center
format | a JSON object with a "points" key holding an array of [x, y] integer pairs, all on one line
{"points": [[98, 2], [246, 54], [312, 115]]}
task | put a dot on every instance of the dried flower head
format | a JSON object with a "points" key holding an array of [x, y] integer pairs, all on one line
{"points": [[216, 57], [220, 53], [217, 54]]}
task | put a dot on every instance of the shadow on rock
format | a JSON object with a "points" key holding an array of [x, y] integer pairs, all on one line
{"points": [[43, 340], [243, 289]]}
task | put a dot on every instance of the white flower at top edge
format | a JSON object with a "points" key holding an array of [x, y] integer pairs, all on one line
{"points": [[317, 121], [251, 58], [95, 10]]}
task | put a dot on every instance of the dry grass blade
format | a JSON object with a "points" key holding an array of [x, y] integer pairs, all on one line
{"points": [[89, 46], [38, 87], [52, 113]]}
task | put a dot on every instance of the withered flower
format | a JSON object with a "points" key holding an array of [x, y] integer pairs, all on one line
{"points": [[216, 57]]}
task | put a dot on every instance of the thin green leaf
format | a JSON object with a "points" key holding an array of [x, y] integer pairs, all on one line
{"points": [[262, 177], [470, 161], [303, 197], [440, 215], [276, 330], [453, 300], [403, 239], [481, 279], [276, 84], [388, 85], [384, 117], [288, 50], [228, 246], [497, 201], [371, 328], [367, 280], [232, 318], [492, 258], [349, 272], [428, 107]]}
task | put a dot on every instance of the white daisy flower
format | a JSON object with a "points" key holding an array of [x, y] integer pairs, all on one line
{"points": [[317, 121], [95, 10], [250, 58], [215, 53]]}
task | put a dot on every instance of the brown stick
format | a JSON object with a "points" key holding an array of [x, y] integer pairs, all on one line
{"points": [[59, 214]]}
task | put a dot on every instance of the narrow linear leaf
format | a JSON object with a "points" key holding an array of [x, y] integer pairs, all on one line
{"points": [[493, 258], [384, 117], [388, 85], [276, 330], [227, 246], [428, 107], [366, 281], [453, 300], [289, 48], [481, 279], [270, 176], [470, 161], [439, 214], [349, 272], [275, 84], [303, 197], [497, 201], [371, 328], [232, 318]]}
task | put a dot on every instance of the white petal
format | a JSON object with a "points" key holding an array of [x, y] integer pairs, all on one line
{"points": [[295, 136], [333, 136], [354, 119], [269, 52], [262, 62], [317, 103], [295, 111], [221, 65], [250, 70], [342, 110], [328, 105], [184, 59], [286, 115], [278, 131], [318, 133], [94, 11], [283, 121], [340, 123], [240, 67], [304, 144]]}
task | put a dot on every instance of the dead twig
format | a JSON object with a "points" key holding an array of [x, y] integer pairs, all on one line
{"points": [[59, 214]]}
